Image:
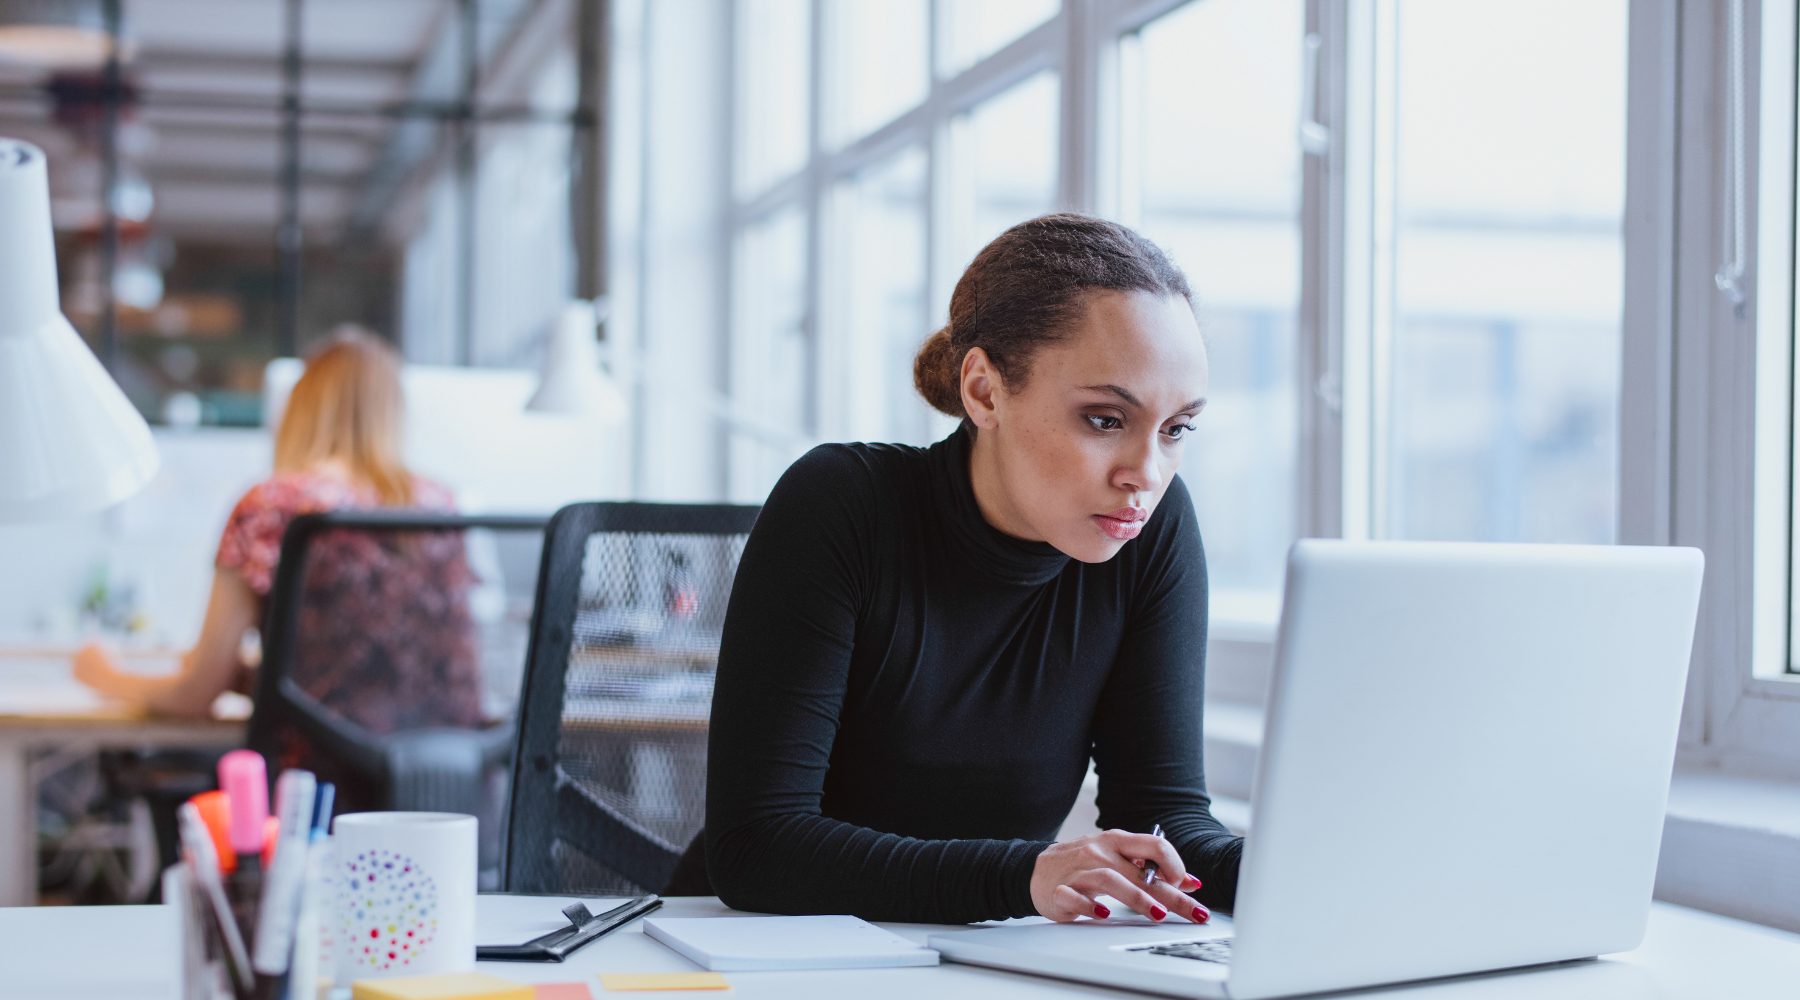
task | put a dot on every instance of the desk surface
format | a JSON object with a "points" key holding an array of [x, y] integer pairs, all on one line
{"points": [[38, 688], [47, 953], [44, 708]]}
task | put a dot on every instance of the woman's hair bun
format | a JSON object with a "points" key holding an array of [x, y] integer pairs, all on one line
{"points": [[937, 373]]}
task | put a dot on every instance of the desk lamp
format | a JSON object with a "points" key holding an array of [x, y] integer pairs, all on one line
{"points": [[572, 383], [69, 439]]}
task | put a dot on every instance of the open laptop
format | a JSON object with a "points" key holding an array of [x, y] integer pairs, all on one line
{"points": [[1465, 767]]}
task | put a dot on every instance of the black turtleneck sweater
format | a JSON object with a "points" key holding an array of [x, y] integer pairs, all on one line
{"points": [[907, 698]]}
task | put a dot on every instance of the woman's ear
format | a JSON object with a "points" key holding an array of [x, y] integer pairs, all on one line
{"points": [[980, 384]]}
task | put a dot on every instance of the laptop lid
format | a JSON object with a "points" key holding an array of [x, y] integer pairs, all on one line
{"points": [[1466, 760]]}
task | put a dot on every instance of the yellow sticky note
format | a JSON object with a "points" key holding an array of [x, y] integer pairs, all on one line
{"points": [[453, 986], [663, 981]]}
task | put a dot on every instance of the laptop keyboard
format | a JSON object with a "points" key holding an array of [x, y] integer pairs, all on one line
{"points": [[1211, 950]]}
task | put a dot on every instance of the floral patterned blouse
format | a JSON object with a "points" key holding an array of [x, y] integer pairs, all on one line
{"points": [[384, 635]]}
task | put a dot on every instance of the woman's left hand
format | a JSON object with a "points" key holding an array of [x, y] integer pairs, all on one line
{"points": [[95, 666]]}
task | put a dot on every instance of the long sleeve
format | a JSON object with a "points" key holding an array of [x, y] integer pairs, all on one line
{"points": [[1147, 729], [784, 663]]}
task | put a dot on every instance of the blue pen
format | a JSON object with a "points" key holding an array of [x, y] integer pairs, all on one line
{"points": [[322, 803]]}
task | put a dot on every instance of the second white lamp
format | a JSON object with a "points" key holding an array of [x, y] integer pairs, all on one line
{"points": [[572, 383], [69, 439]]}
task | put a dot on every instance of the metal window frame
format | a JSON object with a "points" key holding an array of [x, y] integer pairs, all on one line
{"points": [[1698, 479], [1689, 407], [931, 126]]}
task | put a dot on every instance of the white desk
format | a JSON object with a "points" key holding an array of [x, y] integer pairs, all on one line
{"points": [[132, 953], [43, 707]]}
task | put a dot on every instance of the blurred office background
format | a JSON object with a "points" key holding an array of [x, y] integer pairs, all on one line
{"points": [[775, 198]]}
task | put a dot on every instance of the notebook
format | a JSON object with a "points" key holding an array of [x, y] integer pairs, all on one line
{"points": [[746, 944]]}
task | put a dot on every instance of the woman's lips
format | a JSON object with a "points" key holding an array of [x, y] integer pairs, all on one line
{"points": [[1122, 524]]}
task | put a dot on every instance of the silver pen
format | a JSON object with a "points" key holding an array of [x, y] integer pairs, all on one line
{"points": [[1150, 866]]}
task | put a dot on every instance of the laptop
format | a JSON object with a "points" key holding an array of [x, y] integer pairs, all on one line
{"points": [[1465, 765]]}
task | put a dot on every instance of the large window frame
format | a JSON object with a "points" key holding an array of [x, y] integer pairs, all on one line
{"points": [[1688, 460]]}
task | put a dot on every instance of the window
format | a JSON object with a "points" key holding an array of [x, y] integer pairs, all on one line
{"points": [[1210, 97], [879, 291], [880, 63], [1004, 164], [774, 55], [1481, 380], [1409, 251], [1501, 363], [846, 245], [769, 356], [972, 30]]}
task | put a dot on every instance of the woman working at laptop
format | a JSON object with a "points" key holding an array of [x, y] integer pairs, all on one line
{"points": [[924, 646]]}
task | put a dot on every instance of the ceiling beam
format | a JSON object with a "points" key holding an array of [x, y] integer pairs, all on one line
{"points": [[193, 173], [178, 128], [263, 64]]}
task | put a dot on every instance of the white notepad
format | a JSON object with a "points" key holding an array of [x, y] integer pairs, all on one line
{"points": [[749, 944]]}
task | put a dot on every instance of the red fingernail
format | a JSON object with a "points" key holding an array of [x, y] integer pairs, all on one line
{"points": [[1140, 864], [1101, 911], [1200, 915], [1157, 912], [1189, 883]]}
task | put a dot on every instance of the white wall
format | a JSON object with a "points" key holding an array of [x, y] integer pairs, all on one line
{"points": [[161, 542], [467, 428]]}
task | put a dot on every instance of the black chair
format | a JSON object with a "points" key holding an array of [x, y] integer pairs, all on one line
{"points": [[609, 783], [362, 598]]}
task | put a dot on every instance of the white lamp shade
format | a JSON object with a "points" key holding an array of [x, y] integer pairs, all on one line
{"points": [[69, 439], [573, 384]]}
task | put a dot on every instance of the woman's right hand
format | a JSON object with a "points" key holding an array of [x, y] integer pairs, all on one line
{"points": [[1069, 876]]}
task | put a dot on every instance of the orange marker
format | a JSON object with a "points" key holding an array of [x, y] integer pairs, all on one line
{"points": [[215, 809]]}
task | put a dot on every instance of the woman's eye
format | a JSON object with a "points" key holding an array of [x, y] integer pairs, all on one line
{"points": [[1101, 422], [1177, 431]]}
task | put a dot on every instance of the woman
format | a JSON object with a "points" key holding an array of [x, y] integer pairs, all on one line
{"points": [[338, 447], [924, 646]]}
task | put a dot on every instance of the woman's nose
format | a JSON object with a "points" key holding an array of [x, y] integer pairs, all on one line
{"points": [[1139, 472]]}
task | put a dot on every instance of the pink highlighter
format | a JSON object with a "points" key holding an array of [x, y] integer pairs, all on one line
{"points": [[245, 779]]}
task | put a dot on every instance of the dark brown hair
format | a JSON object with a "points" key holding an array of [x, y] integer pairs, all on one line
{"points": [[1023, 292]]}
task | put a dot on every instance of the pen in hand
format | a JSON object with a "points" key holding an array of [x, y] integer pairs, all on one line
{"points": [[1150, 866]]}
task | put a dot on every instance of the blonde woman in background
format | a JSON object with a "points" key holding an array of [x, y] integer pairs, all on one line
{"points": [[338, 448]]}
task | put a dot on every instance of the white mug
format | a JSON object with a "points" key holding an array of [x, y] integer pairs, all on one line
{"points": [[404, 885]]}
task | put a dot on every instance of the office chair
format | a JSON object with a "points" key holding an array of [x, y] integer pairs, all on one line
{"points": [[609, 781], [358, 594]]}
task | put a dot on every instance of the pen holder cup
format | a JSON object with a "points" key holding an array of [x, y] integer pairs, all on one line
{"points": [[208, 970]]}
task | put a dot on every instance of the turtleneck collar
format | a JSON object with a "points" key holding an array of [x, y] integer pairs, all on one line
{"points": [[1000, 555]]}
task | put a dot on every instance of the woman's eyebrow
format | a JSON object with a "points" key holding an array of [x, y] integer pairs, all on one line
{"points": [[1133, 400], [1117, 391]]}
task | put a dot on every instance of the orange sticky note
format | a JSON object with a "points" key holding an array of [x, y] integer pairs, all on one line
{"points": [[563, 991], [664, 981]]}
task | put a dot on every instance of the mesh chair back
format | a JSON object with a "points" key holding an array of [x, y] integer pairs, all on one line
{"points": [[610, 777], [392, 654]]}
